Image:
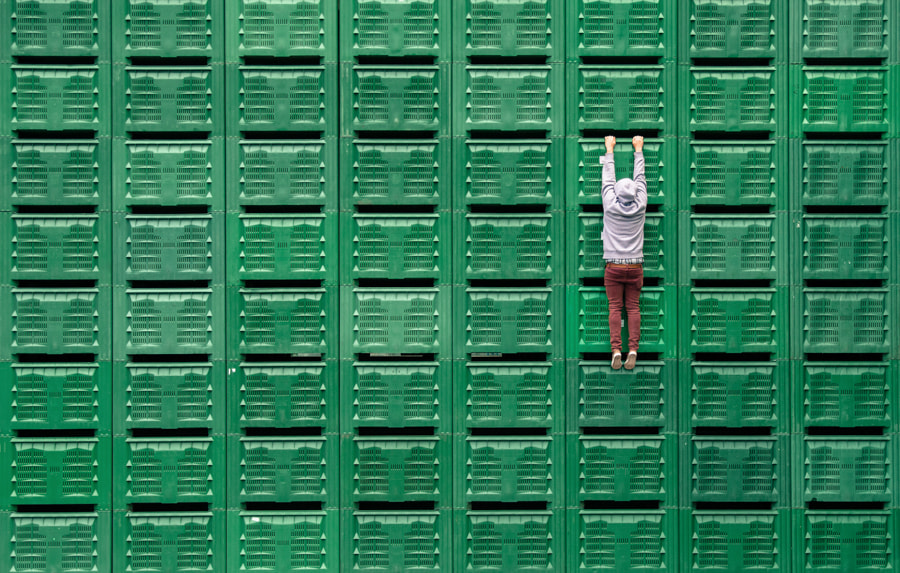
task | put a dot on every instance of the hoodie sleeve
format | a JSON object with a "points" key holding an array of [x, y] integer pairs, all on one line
{"points": [[640, 182], [608, 191]]}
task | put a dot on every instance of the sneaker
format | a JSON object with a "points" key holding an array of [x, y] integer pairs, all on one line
{"points": [[631, 360], [616, 361]]}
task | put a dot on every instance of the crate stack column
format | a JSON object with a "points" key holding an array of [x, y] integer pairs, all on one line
{"points": [[844, 241], [395, 275], [168, 479], [55, 277], [281, 285]]}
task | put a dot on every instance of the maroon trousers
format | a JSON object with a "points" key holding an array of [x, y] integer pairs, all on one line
{"points": [[623, 287]]}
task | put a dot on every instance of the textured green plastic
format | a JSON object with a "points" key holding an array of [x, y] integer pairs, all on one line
{"points": [[169, 321], [167, 29], [56, 396], [169, 173], [845, 468], [288, 541], [508, 320], [848, 29], [56, 28], [508, 395], [621, 28], [585, 235], [736, 469], [59, 321], [622, 468], [396, 320], [736, 246], [589, 320], [397, 540], [396, 469], [735, 320], [168, 99], [737, 395], [283, 321], [602, 397], [848, 394], [736, 29], [845, 100], [284, 99], [621, 97], [283, 469], [275, 173], [283, 395], [626, 541], [397, 394], [59, 247], [844, 541], [166, 541], [508, 98], [281, 29], [396, 98], [55, 172], [734, 173], [509, 246], [846, 247], [396, 172], [510, 540], [502, 172], [509, 469], [58, 471], [392, 245], [278, 246], [730, 99], [508, 28], [169, 396], [840, 320], [168, 247], [845, 173], [56, 541], [169, 470], [734, 541], [58, 98], [396, 28]]}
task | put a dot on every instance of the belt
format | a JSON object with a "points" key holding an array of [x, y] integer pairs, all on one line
{"points": [[618, 266]]}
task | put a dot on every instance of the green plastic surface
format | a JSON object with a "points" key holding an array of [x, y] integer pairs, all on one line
{"points": [[57, 28], [58, 98], [839, 320], [850, 395], [397, 394]]}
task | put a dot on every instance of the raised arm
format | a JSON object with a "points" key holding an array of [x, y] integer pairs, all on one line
{"points": [[608, 191], [640, 181]]}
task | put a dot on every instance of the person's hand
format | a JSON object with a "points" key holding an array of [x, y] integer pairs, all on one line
{"points": [[638, 143], [610, 143]]}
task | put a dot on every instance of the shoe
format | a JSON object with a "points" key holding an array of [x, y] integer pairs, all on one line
{"points": [[616, 360], [631, 360]]}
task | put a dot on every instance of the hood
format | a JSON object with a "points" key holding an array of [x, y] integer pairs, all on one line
{"points": [[625, 190]]}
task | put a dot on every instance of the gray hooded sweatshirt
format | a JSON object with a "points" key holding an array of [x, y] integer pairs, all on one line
{"points": [[624, 206]]}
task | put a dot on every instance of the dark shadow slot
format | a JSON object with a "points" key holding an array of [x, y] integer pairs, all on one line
{"points": [[731, 283], [283, 284], [736, 357], [730, 62], [282, 60], [282, 506], [168, 507], [512, 209], [168, 358], [283, 209], [516, 135], [53, 508], [168, 61], [592, 207], [732, 209], [620, 133], [654, 208], [834, 431], [510, 61], [169, 210], [169, 433], [395, 506], [46, 134], [56, 209], [162, 135], [55, 60], [508, 357], [844, 209], [377, 431], [388, 357], [717, 431], [404, 135], [619, 430], [392, 209], [282, 135], [652, 281], [845, 506], [854, 62], [844, 357], [845, 284], [620, 60], [593, 505], [593, 282], [56, 284], [85, 357], [607, 357], [281, 358], [55, 433], [732, 135], [733, 506], [511, 432], [508, 283], [845, 136], [395, 283], [262, 432], [421, 60], [508, 506], [168, 284]]}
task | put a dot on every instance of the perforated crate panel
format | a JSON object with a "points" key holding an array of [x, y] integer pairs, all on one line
{"points": [[56, 28], [508, 28], [725, 99], [397, 469], [397, 394], [59, 321], [167, 28], [844, 100], [621, 28], [737, 246], [737, 29], [183, 541], [509, 468], [602, 397], [395, 172], [391, 245], [737, 395], [735, 321], [846, 247], [735, 173], [507, 246], [391, 320], [497, 172], [506, 98], [508, 320], [735, 469], [58, 98], [396, 28], [397, 540], [283, 321], [279, 246], [622, 468], [850, 29], [284, 540], [845, 469], [281, 29], [74, 541], [627, 541], [585, 232], [399, 98], [57, 172], [169, 321], [735, 541], [836, 320], [60, 247], [508, 395], [510, 540], [270, 98], [169, 99], [847, 540], [588, 320], [847, 395], [621, 97], [845, 173], [169, 247]]}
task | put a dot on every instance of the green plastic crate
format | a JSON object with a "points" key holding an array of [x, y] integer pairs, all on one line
{"points": [[283, 541], [283, 99], [168, 173], [589, 320], [729, 99], [396, 28], [170, 396], [53, 172], [190, 542], [397, 541], [167, 29], [622, 468], [584, 177], [396, 394], [283, 469], [168, 99], [509, 320], [280, 246], [509, 469], [394, 320], [735, 320], [509, 246], [393, 172], [508, 395], [508, 28], [391, 245], [56, 28], [59, 247], [603, 397], [737, 29], [620, 98], [56, 542], [56, 396], [737, 246], [283, 321], [169, 321], [846, 468], [846, 247], [735, 469], [276, 173], [504, 172], [844, 100], [283, 395], [281, 29], [841, 321], [737, 395], [510, 540], [849, 394], [846, 29], [735, 541], [622, 541], [845, 173], [169, 470], [397, 469], [54, 98], [621, 28], [58, 471], [168, 247], [399, 98], [59, 321], [844, 541], [509, 97], [585, 235], [735, 173]]}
